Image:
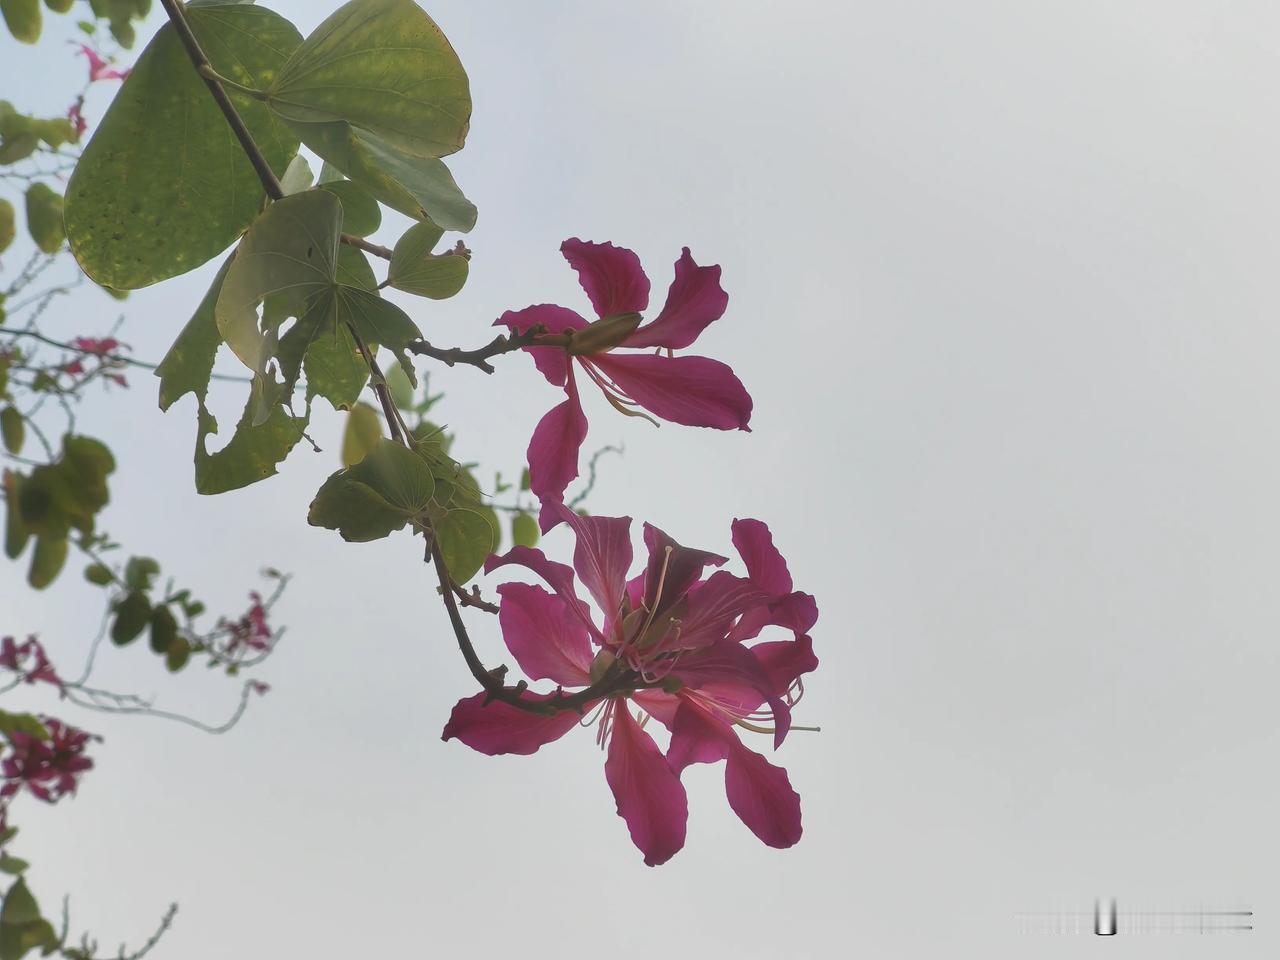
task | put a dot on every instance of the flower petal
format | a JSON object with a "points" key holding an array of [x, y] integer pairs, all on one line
{"points": [[731, 674], [649, 795], [762, 797], [611, 276], [601, 558], [498, 727], [552, 362], [697, 737], [553, 449], [683, 568], [714, 605], [694, 301], [695, 391], [543, 634], [559, 576], [797, 612], [765, 566]]}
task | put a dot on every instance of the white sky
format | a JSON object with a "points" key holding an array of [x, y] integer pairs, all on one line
{"points": [[1002, 283]]}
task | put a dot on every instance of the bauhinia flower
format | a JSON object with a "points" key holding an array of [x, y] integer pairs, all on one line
{"points": [[50, 768], [29, 661], [695, 391], [100, 69], [674, 642]]}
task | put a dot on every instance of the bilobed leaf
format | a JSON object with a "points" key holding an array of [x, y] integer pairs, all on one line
{"points": [[380, 321], [253, 452], [47, 561], [297, 176], [13, 429], [354, 269], [290, 253], [23, 18], [466, 539], [418, 187], [376, 497], [384, 66], [188, 364], [361, 214], [68, 494], [163, 185], [140, 573], [133, 613], [415, 269], [364, 430], [44, 217]]}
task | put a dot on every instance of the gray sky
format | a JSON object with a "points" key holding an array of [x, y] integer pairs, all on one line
{"points": [[1002, 284]]}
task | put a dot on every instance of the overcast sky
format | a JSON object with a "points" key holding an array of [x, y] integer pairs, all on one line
{"points": [[1003, 284]]}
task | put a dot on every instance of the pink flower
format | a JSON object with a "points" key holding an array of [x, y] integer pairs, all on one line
{"points": [[695, 391], [249, 632], [99, 69], [29, 661], [99, 347], [48, 768], [673, 642]]}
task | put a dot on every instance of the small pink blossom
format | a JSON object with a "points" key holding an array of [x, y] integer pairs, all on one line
{"points": [[29, 661], [682, 647], [75, 113], [99, 347], [695, 391], [49, 769], [100, 69], [251, 631]]}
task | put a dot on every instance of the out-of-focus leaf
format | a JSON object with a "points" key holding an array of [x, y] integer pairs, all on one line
{"points": [[466, 539], [13, 429], [68, 494], [164, 629], [364, 430], [8, 228], [524, 530], [133, 613], [47, 561], [140, 573], [16, 532], [44, 217], [23, 18]]}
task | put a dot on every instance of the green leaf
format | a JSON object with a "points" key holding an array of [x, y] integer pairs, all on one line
{"points": [[8, 229], [418, 187], [23, 18], [11, 723], [400, 387], [178, 654], [251, 455], [297, 176], [164, 629], [415, 269], [17, 147], [47, 561], [22, 929], [16, 532], [361, 214], [376, 497], [164, 186], [60, 6], [20, 906], [44, 218], [384, 66], [524, 530], [13, 429], [354, 269], [524, 479], [133, 613], [189, 363], [99, 575], [140, 573], [364, 430], [466, 539], [335, 368], [68, 494], [12, 865]]}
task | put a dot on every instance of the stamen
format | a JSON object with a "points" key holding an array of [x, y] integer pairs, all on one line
{"points": [[616, 396]]}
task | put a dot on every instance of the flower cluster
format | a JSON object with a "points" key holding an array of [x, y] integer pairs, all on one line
{"points": [[249, 633], [47, 767], [678, 643], [29, 661]]}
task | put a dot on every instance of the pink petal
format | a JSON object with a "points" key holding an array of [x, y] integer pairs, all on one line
{"points": [[697, 737], [732, 674], [553, 449], [797, 612], [672, 568], [601, 558], [714, 605], [649, 795], [559, 576], [761, 795], [611, 276], [552, 362], [658, 704], [498, 727], [694, 301], [543, 634], [695, 391], [785, 660], [765, 565]]}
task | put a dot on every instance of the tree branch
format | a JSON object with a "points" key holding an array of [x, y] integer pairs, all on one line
{"points": [[535, 336]]}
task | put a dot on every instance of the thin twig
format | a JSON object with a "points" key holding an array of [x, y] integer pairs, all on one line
{"points": [[535, 336]]}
